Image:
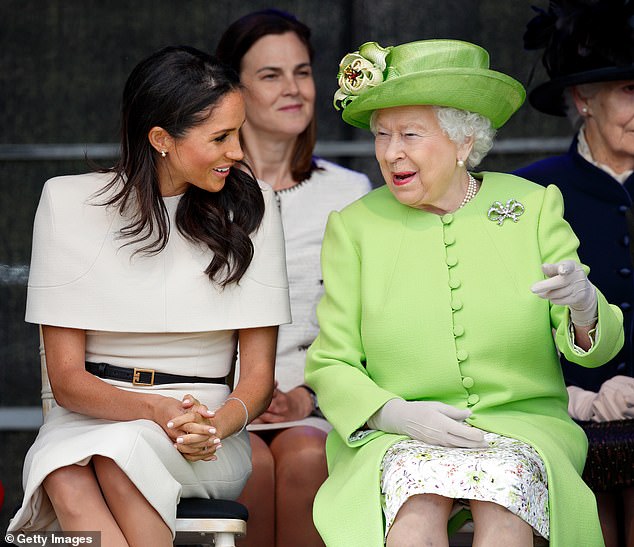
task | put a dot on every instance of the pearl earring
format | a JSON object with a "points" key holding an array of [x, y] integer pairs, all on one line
{"points": [[460, 163], [584, 110], [163, 153]]}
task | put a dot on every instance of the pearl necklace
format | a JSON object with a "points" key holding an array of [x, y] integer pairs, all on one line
{"points": [[472, 189]]}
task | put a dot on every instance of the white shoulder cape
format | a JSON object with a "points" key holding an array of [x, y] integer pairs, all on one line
{"points": [[83, 277]]}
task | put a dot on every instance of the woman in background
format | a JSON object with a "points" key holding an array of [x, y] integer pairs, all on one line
{"points": [[144, 278], [596, 92], [272, 52]]}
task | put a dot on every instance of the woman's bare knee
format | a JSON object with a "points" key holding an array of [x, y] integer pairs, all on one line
{"points": [[112, 479], [487, 511], [421, 520], [68, 486], [260, 453], [262, 479], [300, 457], [495, 525], [259, 496]]}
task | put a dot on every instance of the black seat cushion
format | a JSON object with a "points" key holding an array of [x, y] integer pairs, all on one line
{"points": [[610, 462], [202, 508]]}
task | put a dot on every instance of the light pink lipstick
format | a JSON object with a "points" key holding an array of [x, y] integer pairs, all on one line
{"points": [[291, 108]]}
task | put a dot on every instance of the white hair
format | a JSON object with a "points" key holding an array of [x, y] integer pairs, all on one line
{"points": [[586, 91], [459, 126]]}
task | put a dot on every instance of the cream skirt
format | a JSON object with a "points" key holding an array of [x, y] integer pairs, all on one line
{"points": [[141, 449]]}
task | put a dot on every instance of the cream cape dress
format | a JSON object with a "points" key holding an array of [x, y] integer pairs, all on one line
{"points": [[157, 312]]}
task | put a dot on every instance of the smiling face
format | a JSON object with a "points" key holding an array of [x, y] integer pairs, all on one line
{"points": [[280, 91], [609, 122], [418, 160], [204, 155]]}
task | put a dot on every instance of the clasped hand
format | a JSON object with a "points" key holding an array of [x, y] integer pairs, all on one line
{"points": [[193, 430], [568, 285], [615, 400], [428, 421], [286, 406]]}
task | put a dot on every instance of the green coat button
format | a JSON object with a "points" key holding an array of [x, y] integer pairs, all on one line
{"points": [[473, 399], [467, 382], [447, 219]]}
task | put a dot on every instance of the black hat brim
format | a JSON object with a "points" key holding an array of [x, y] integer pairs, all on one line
{"points": [[549, 96]]}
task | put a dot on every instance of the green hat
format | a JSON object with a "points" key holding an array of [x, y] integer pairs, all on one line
{"points": [[428, 72]]}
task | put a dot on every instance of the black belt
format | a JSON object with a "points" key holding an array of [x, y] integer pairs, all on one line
{"points": [[145, 376]]}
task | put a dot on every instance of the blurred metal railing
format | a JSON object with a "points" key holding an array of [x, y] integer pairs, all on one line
{"points": [[20, 418], [364, 148]]}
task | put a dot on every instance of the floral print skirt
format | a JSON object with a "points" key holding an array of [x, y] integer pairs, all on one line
{"points": [[508, 472]]}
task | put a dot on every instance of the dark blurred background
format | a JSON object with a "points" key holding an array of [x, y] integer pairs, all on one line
{"points": [[63, 64]]}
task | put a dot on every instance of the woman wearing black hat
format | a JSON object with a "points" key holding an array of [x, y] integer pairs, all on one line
{"points": [[589, 56]]}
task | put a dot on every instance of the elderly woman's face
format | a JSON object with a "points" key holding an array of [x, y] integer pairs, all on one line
{"points": [[610, 124], [417, 159]]}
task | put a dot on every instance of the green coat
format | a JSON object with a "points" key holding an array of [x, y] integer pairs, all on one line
{"points": [[439, 308]]}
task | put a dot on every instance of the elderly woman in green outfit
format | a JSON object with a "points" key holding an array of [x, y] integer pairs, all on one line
{"points": [[435, 361]]}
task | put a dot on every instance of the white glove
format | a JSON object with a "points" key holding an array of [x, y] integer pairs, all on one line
{"points": [[580, 403], [568, 285], [429, 421], [615, 400]]}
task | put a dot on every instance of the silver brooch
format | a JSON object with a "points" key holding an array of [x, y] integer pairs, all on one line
{"points": [[499, 213]]}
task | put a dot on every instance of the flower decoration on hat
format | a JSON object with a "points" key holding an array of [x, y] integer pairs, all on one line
{"points": [[360, 71]]}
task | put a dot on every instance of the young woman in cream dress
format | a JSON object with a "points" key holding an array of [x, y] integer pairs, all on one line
{"points": [[144, 278]]}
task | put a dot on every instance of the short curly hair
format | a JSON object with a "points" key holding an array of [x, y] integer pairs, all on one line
{"points": [[459, 125]]}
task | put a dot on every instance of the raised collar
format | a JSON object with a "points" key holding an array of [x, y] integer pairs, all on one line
{"points": [[595, 181]]}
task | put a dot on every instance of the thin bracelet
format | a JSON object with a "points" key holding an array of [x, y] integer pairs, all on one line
{"points": [[246, 412]]}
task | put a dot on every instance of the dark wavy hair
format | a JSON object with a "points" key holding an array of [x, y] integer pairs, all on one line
{"points": [[238, 38], [177, 88]]}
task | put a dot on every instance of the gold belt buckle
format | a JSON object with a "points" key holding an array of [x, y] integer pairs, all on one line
{"points": [[136, 377]]}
